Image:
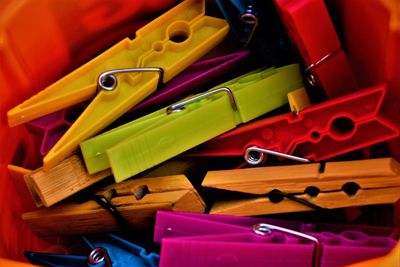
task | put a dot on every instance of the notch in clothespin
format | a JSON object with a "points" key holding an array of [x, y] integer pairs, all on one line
{"points": [[152, 139], [317, 133], [161, 49], [295, 188], [129, 204], [107, 250], [312, 31]]}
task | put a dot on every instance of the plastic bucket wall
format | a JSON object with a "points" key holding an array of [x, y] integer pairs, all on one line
{"points": [[40, 41]]}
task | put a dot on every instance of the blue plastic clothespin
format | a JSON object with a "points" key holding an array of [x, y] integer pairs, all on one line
{"points": [[108, 250], [242, 17], [257, 25]]}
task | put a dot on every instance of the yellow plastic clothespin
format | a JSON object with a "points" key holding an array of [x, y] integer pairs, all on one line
{"points": [[160, 51]]}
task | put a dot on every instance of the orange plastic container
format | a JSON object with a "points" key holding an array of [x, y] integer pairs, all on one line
{"points": [[40, 41]]}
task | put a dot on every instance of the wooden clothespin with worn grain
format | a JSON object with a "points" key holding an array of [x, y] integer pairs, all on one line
{"points": [[282, 189], [132, 204], [70, 176], [65, 179]]}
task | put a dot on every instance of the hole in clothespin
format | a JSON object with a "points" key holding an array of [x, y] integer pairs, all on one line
{"points": [[342, 126], [179, 32], [315, 135], [312, 191], [141, 191], [351, 188], [275, 196]]}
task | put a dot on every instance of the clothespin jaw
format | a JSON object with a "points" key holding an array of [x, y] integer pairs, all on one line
{"points": [[294, 188], [317, 133], [152, 139], [160, 51], [106, 250], [130, 204]]}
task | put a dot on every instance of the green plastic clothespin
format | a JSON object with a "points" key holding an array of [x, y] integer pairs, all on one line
{"points": [[161, 135]]}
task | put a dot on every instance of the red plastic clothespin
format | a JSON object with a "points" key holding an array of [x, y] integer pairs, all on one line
{"points": [[317, 133], [309, 25]]}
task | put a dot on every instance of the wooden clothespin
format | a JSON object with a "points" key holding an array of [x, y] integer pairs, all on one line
{"points": [[132, 203], [294, 188], [65, 179]]}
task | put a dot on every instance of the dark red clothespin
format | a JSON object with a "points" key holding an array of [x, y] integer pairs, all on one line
{"points": [[310, 27], [317, 133]]}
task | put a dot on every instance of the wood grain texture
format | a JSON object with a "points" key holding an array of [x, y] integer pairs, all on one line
{"points": [[164, 193], [378, 181], [62, 181], [333, 200]]}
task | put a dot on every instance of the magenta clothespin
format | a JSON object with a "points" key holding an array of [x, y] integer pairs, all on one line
{"points": [[52, 127], [189, 239]]}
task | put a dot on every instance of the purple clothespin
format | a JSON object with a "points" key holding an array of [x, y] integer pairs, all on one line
{"points": [[195, 76], [189, 239], [52, 127]]}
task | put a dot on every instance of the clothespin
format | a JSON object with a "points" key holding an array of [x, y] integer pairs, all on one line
{"points": [[374, 62], [319, 132], [293, 188], [242, 17], [161, 49], [256, 25], [311, 29], [107, 250], [51, 127], [152, 139], [70, 177], [63, 180], [129, 204], [195, 76], [189, 239]]}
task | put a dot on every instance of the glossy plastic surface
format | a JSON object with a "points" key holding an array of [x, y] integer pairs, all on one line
{"points": [[312, 31], [152, 139], [317, 133], [209, 240]]}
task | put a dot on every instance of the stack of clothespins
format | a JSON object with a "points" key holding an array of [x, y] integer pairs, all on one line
{"points": [[240, 107]]}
